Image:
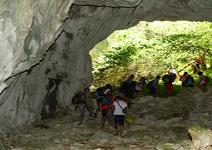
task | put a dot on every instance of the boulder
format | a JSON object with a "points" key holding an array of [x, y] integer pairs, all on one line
{"points": [[201, 137]]}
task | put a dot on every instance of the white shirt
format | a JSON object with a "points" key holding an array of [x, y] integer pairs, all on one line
{"points": [[203, 80], [118, 109], [138, 87]]}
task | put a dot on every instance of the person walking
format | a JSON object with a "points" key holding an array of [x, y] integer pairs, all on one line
{"points": [[87, 104], [139, 86], [168, 79], [183, 78], [103, 91], [119, 113], [155, 87], [201, 81]]}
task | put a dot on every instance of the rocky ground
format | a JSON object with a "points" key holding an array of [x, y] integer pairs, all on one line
{"points": [[159, 123]]}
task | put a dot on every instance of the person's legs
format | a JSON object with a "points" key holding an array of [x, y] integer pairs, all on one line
{"points": [[199, 86], [203, 87], [91, 110], [82, 110], [110, 117], [170, 88], [116, 122], [121, 124], [121, 128], [170, 92], [151, 91], [103, 121], [138, 93], [155, 92], [104, 115], [130, 95], [98, 109]]}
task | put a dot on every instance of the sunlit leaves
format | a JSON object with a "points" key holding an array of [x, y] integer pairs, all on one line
{"points": [[160, 46]]}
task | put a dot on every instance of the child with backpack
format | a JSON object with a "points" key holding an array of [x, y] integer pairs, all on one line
{"points": [[120, 110], [139, 86]]}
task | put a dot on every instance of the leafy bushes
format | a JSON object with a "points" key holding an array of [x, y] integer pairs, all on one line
{"points": [[153, 51]]}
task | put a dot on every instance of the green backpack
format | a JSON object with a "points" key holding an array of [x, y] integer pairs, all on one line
{"points": [[166, 78]]}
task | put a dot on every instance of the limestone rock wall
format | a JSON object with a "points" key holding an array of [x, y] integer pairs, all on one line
{"points": [[44, 48], [27, 29]]}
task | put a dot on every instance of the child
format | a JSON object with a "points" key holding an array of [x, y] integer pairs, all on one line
{"points": [[119, 105]]}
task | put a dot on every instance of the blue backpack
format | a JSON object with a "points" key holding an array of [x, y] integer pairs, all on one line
{"points": [[150, 84], [189, 80], [100, 91], [106, 101]]}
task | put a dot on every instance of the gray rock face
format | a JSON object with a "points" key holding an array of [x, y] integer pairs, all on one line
{"points": [[44, 48]]}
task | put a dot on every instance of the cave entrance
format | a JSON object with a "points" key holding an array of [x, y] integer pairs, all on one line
{"points": [[152, 48]]}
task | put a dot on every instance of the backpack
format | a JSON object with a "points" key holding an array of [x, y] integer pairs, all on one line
{"points": [[207, 80], [166, 78], [133, 85], [106, 101], [150, 84], [79, 98], [189, 80], [100, 91]]}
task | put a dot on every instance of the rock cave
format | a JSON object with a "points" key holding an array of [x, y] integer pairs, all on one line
{"points": [[45, 60]]}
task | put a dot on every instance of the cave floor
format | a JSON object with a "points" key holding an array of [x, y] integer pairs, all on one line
{"points": [[156, 121]]}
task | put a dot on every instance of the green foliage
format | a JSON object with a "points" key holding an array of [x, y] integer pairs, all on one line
{"points": [[161, 46]]}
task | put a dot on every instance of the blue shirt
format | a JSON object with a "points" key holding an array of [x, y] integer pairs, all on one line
{"points": [[129, 81]]}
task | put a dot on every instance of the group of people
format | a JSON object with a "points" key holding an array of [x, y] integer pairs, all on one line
{"points": [[188, 81], [112, 107], [197, 64]]}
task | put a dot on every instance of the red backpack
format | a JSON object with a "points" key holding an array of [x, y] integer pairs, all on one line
{"points": [[207, 80]]}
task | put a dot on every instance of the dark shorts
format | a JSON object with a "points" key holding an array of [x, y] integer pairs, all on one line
{"points": [[119, 119], [169, 87], [131, 94], [104, 113], [137, 91], [153, 90]]}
